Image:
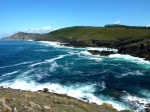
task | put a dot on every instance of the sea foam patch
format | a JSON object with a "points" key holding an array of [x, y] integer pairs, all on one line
{"points": [[102, 49], [54, 44], [131, 59], [136, 102]]}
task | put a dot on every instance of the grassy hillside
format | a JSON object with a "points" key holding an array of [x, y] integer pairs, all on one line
{"points": [[85, 33]]}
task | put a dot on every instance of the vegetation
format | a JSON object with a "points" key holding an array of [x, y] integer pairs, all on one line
{"points": [[87, 33]]}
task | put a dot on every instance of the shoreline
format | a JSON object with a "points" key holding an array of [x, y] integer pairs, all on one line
{"points": [[44, 101]]}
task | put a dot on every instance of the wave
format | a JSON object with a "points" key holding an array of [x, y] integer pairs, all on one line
{"points": [[35, 64], [11, 73], [102, 49], [47, 61], [116, 56], [54, 59], [85, 53], [131, 73], [133, 59], [54, 44], [23, 63], [53, 67], [41, 50], [136, 102]]}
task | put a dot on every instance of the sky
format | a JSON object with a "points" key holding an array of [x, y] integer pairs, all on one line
{"points": [[42, 16]]}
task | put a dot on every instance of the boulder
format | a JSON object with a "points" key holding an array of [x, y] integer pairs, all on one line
{"points": [[45, 90]]}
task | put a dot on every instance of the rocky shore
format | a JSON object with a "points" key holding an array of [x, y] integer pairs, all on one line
{"points": [[139, 49], [16, 100]]}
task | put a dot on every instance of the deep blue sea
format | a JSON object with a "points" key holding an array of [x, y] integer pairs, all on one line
{"points": [[121, 80]]}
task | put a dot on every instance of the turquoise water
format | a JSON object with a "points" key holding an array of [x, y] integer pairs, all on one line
{"points": [[120, 80]]}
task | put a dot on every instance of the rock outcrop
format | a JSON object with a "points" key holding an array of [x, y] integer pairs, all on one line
{"points": [[23, 36], [102, 53]]}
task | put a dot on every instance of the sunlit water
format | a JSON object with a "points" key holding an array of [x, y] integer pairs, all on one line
{"points": [[121, 80]]}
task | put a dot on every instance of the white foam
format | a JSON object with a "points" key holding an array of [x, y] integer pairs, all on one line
{"points": [[98, 59], [103, 85], [11, 73], [41, 50], [50, 43], [47, 61], [54, 59], [53, 67], [136, 101], [102, 49], [23, 63], [35, 64], [85, 53], [136, 73], [130, 58]]}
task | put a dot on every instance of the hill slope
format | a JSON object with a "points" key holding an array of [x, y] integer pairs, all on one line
{"points": [[84, 33]]}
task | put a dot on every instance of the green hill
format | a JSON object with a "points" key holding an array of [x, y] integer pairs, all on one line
{"points": [[87, 33]]}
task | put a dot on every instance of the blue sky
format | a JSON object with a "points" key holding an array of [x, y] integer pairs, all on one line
{"points": [[47, 15]]}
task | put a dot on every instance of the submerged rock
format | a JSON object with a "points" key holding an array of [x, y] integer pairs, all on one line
{"points": [[102, 53]]}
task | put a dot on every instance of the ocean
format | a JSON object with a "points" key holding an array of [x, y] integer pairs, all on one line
{"points": [[120, 80]]}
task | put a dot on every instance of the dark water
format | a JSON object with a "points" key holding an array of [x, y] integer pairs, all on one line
{"points": [[120, 80]]}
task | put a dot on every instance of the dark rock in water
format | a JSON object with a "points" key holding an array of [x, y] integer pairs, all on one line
{"points": [[85, 99], [45, 90], [147, 107], [102, 53]]}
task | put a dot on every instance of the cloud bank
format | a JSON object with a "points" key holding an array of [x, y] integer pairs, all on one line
{"points": [[41, 30], [117, 22], [46, 29], [3, 34], [148, 26]]}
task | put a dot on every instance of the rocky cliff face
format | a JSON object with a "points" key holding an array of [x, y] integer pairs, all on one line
{"points": [[23, 36]]}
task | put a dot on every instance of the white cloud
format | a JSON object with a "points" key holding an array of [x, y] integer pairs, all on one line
{"points": [[4, 34], [148, 26], [117, 22], [46, 29]]}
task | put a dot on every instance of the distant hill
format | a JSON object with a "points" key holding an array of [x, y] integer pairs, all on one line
{"points": [[23, 36]]}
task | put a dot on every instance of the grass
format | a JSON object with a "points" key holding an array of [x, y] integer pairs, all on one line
{"points": [[87, 33]]}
